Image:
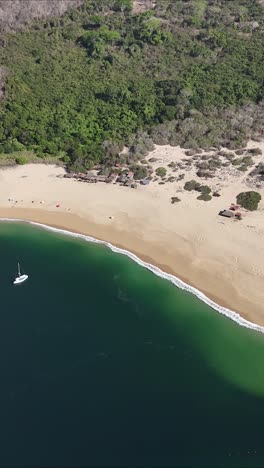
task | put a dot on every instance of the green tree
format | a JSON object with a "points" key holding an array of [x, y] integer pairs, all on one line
{"points": [[249, 200], [21, 160], [204, 189], [191, 185], [204, 197], [161, 171], [142, 73], [140, 172]]}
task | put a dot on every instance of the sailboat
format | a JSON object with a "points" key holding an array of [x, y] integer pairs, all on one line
{"points": [[20, 278]]}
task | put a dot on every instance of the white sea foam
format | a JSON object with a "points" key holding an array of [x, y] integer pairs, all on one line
{"points": [[173, 279]]}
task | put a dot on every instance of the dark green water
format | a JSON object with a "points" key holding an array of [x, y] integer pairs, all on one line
{"points": [[104, 364]]}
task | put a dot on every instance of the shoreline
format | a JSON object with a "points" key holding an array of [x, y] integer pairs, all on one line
{"points": [[219, 257], [160, 270]]}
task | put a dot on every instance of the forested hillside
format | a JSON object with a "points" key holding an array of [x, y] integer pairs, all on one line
{"points": [[84, 84]]}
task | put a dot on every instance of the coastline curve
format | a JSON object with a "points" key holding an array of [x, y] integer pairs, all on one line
{"points": [[235, 316]]}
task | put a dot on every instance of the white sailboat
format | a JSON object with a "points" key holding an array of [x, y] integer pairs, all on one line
{"points": [[20, 278]]}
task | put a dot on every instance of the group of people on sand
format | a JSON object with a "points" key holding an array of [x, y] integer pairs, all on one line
{"points": [[33, 201]]}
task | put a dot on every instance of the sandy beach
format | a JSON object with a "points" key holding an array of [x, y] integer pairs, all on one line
{"points": [[222, 257]]}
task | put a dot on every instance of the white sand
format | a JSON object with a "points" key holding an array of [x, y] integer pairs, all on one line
{"points": [[223, 258]]}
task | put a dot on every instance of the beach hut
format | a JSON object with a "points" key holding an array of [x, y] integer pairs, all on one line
{"points": [[227, 213], [145, 182], [122, 179], [111, 178]]}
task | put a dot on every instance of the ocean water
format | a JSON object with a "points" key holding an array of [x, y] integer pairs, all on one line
{"points": [[102, 363]]}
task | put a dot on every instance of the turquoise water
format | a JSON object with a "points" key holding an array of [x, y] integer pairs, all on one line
{"points": [[104, 364]]}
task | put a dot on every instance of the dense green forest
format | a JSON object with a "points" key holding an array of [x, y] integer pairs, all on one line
{"points": [[80, 86]]}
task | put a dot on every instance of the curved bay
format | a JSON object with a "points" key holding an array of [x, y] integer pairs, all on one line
{"points": [[104, 363]]}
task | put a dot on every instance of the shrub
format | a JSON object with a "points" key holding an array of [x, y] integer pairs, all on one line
{"points": [[140, 172], [21, 160], [190, 152], [175, 200], [243, 168], [229, 156], [203, 165], [248, 160], [204, 197], [204, 189], [174, 140], [181, 177], [237, 162], [123, 5], [66, 159], [255, 151], [161, 171], [213, 163], [258, 171], [11, 146], [191, 185], [226, 154], [205, 174], [249, 200]]}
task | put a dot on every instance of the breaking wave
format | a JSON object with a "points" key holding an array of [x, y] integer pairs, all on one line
{"points": [[173, 279]]}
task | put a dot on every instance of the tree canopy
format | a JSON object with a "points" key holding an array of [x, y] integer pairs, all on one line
{"points": [[189, 73], [249, 200]]}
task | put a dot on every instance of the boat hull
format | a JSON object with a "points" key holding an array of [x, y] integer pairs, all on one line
{"points": [[20, 279]]}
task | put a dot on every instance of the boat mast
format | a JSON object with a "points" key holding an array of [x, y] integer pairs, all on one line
{"points": [[18, 269]]}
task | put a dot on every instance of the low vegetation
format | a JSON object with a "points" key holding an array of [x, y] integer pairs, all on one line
{"points": [[203, 189], [249, 200], [140, 172], [175, 200], [21, 160], [204, 197], [161, 171], [191, 185], [258, 173]]}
